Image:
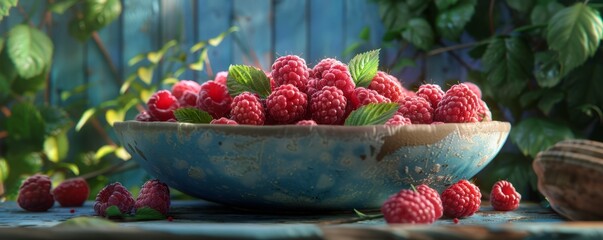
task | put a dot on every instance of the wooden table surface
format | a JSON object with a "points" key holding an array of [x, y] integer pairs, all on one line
{"points": [[195, 219]]}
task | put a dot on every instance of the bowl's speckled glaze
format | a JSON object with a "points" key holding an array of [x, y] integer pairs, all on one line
{"points": [[309, 167]]}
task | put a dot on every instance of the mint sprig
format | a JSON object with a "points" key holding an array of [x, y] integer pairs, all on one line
{"points": [[242, 78], [147, 213], [192, 115], [372, 114], [363, 67]]}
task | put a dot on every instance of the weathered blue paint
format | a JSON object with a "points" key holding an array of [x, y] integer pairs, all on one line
{"points": [[140, 30], [290, 28], [214, 17], [254, 39], [327, 25]]}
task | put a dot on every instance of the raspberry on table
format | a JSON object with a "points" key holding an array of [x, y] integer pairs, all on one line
{"points": [[224, 120], [474, 88], [328, 106], [458, 105], [221, 77], [144, 116], [398, 120], [322, 66], [306, 123], [363, 96], [247, 109], [154, 194], [290, 69], [417, 109], [35, 194], [408, 206], [461, 199], [72, 192], [387, 85], [337, 76], [214, 99], [186, 92], [286, 104], [162, 104], [432, 93], [503, 196], [434, 197], [113, 194]]}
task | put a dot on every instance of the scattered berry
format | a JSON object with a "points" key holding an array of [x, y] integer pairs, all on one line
{"points": [[221, 77], [434, 197], [461, 199], [35, 195], [72, 192], [224, 120], [323, 65], [214, 99], [363, 96], [455, 220], [306, 123], [246, 108], [417, 109], [408, 206], [432, 93], [397, 120], [286, 104], [162, 105], [504, 197], [186, 91], [72, 210], [458, 105], [337, 76], [388, 86], [154, 194], [145, 117], [290, 69], [474, 88], [170, 219], [328, 106], [113, 194]]}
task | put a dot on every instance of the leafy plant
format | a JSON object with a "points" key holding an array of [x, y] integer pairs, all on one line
{"points": [[540, 67]]}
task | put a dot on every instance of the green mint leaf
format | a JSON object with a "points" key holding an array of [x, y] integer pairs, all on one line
{"points": [[29, 49], [533, 135], [419, 33], [372, 114], [192, 115], [575, 32], [451, 22], [242, 78], [87, 222], [363, 67], [113, 212], [147, 213], [367, 216]]}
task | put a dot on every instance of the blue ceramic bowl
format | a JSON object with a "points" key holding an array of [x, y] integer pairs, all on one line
{"points": [[321, 167]]}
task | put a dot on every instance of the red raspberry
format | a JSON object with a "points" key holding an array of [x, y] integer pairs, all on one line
{"points": [[434, 197], [323, 65], [223, 120], [72, 192], [503, 196], [246, 108], [388, 86], [432, 93], [113, 194], [461, 199], [417, 109], [483, 112], [35, 195], [290, 69], [311, 87], [398, 120], [363, 96], [339, 77], [458, 105], [154, 194], [145, 117], [186, 92], [474, 88], [286, 104], [408, 206], [306, 123], [162, 105], [328, 106], [214, 99], [221, 78]]}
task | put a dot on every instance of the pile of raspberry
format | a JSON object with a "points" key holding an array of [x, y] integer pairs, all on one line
{"points": [[324, 94]]}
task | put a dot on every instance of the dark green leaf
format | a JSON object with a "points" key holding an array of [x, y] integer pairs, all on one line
{"points": [[417, 6], [242, 78], [542, 12], [26, 128], [147, 213], [3, 169], [395, 15], [391, 35], [508, 63], [575, 32], [363, 67], [521, 5], [451, 22], [87, 222], [533, 135], [372, 114], [31, 85], [477, 27], [113, 212], [96, 15], [5, 6], [365, 33], [530, 98], [419, 33], [62, 5], [444, 4], [4, 88], [547, 69], [404, 62], [1, 44], [549, 99], [215, 41], [192, 115], [29, 49], [55, 118], [583, 85]]}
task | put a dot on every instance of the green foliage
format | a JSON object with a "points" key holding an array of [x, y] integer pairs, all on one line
{"points": [[5, 6], [372, 114], [94, 15], [363, 67], [29, 49]]}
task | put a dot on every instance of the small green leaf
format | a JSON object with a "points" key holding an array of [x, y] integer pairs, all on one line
{"points": [[547, 69], [134, 60], [395, 15], [29, 49], [451, 22], [242, 78], [104, 151], [372, 114], [3, 169], [533, 135], [147, 213], [69, 166], [419, 33], [365, 33], [145, 74], [444, 4], [85, 117], [5, 6], [113, 116], [549, 100], [113, 212], [56, 119], [364, 66], [575, 32], [192, 115], [508, 63], [521, 5], [87, 222], [56, 147], [26, 127], [542, 13], [61, 6], [215, 41]]}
